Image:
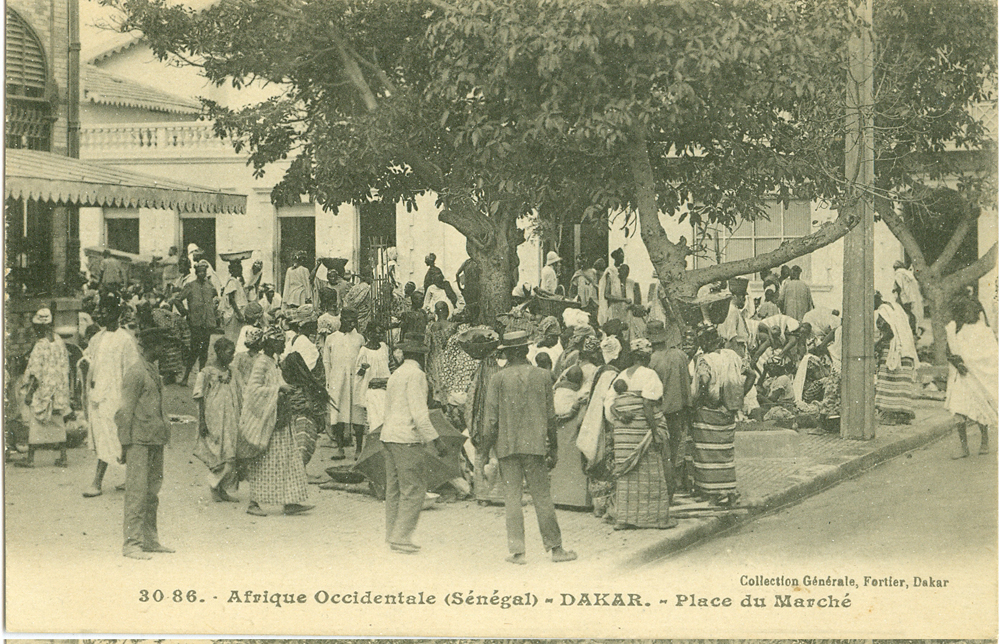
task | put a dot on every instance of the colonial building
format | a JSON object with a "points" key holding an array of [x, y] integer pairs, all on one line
{"points": [[140, 113], [46, 186]]}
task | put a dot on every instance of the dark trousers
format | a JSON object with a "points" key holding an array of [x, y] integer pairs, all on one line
{"points": [[201, 338], [677, 426], [143, 478], [514, 470], [405, 489]]}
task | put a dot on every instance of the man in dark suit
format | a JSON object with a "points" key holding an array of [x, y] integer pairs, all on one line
{"points": [[521, 426], [143, 430]]}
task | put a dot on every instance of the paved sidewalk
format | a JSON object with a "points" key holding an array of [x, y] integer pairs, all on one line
{"points": [[780, 467]]}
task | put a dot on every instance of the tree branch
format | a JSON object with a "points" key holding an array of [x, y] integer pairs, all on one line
{"points": [[899, 229], [956, 240], [353, 72], [661, 250], [477, 228], [826, 234], [971, 273]]}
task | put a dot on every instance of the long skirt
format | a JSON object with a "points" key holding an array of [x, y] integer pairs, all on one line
{"points": [[713, 434], [642, 497], [172, 360], [894, 388], [278, 476], [305, 430]]}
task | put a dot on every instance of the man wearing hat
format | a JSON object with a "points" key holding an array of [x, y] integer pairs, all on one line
{"points": [[521, 427], [405, 431], [671, 364], [143, 430], [549, 283]]}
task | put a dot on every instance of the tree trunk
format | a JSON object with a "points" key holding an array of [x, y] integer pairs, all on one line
{"points": [[498, 264], [938, 298]]}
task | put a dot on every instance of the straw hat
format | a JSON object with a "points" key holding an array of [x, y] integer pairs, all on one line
{"points": [[515, 339]]}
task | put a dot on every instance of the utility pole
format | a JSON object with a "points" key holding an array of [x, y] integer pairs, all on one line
{"points": [[857, 386]]}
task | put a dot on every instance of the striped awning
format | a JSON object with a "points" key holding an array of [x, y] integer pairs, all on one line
{"points": [[44, 176]]}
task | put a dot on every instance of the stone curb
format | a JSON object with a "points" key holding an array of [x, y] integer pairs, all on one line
{"points": [[699, 530]]}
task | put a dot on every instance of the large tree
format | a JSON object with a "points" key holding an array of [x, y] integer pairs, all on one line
{"points": [[517, 108], [719, 106], [937, 80], [506, 108]]}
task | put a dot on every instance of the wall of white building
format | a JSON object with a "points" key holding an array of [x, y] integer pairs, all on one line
{"points": [[827, 262]]}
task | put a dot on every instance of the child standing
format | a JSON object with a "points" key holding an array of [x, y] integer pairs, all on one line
{"points": [[218, 396]]}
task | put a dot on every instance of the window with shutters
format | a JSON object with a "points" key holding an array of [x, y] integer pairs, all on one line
{"points": [[28, 113], [752, 238]]}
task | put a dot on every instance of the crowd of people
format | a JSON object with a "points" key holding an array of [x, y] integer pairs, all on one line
{"points": [[629, 401]]}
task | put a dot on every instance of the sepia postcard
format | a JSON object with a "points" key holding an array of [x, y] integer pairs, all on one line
{"points": [[500, 319]]}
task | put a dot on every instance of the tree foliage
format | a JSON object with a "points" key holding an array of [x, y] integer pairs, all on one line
{"points": [[568, 109]]}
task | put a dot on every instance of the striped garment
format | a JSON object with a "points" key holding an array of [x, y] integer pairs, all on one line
{"points": [[305, 431], [278, 477], [642, 496], [713, 433], [894, 388]]}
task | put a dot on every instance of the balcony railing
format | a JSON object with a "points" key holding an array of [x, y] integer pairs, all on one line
{"points": [[152, 140]]}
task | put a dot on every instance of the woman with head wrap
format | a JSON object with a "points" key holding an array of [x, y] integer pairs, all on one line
{"points": [[548, 340], [641, 451], [276, 474], [304, 406], [571, 355], [721, 381], [46, 390], [897, 355], [594, 439], [359, 298], [243, 361], [437, 334], [252, 317], [571, 397]]}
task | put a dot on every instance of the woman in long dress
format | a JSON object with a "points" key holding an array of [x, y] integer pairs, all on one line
{"points": [[277, 477], [217, 390], [594, 437], [437, 335], [972, 374], [46, 400], [233, 301], [897, 356], [109, 355], [720, 383], [641, 447]]}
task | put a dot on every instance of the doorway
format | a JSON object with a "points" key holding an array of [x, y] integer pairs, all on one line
{"points": [[295, 234], [200, 231], [123, 234]]}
